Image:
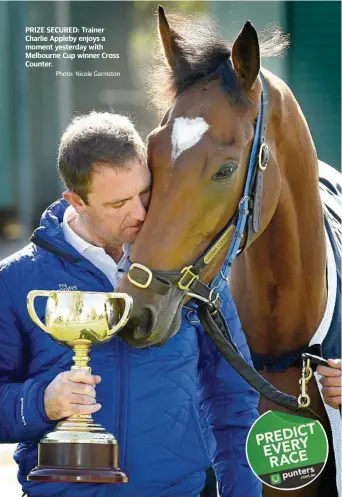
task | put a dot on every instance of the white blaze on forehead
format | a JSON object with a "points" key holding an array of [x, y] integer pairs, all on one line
{"points": [[186, 133]]}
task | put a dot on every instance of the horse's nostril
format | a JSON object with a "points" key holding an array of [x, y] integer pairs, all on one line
{"points": [[143, 324]]}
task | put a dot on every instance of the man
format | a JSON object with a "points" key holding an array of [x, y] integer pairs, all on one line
{"points": [[162, 403]]}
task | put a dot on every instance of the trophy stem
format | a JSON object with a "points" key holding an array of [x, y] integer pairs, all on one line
{"points": [[81, 349], [80, 423]]}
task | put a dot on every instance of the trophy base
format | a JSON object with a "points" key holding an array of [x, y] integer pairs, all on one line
{"points": [[74, 475], [78, 450]]}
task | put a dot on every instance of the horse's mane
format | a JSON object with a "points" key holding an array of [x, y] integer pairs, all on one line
{"points": [[205, 51]]}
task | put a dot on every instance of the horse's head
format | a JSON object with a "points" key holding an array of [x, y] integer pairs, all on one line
{"points": [[198, 157]]}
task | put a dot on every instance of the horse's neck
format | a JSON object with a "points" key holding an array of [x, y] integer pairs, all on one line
{"points": [[278, 283]]}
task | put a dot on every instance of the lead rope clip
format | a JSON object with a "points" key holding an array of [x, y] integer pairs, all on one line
{"points": [[304, 400]]}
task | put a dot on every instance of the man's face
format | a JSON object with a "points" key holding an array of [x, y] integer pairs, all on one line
{"points": [[117, 201]]}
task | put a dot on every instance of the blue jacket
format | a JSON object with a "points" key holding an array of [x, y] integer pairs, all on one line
{"points": [[174, 409]]}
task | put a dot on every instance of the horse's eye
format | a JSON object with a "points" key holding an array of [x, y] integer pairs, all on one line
{"points": [[225, 171]]}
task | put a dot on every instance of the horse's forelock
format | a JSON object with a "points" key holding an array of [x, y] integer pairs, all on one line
{"points": [[205, 54]]}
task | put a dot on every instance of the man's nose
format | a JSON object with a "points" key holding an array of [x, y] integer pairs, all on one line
{"points": [[139, 211]]}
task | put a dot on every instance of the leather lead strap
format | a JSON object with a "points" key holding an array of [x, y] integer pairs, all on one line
{"points": [[217, 328]]}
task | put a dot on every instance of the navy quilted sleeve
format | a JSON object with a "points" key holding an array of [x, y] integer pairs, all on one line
{"points": [[22, 414], [230, 407]]}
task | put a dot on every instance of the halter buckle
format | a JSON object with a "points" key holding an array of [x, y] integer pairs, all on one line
{"points": [[143, 268], [264, 155], [186, 271]]}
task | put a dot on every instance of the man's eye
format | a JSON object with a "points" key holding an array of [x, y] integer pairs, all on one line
{"points": [[118, 206], [225, 171]]}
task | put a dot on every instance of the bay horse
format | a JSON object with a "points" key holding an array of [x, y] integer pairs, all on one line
{"points": [[198, 157]]}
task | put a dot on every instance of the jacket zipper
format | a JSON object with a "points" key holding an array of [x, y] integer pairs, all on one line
{"points": [[121, 413]]}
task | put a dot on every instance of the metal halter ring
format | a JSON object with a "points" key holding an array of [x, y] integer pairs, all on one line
{"points": [[213, 302], [147, 271]]}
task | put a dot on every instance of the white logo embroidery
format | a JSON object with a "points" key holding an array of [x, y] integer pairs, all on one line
{"points": [[22, 410], [63, 287]]}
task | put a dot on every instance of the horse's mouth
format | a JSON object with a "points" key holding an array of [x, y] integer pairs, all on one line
{"points": [[146, 329]]}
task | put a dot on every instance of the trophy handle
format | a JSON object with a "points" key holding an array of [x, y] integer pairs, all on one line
{"points": [[127, 312], [30, 306]]}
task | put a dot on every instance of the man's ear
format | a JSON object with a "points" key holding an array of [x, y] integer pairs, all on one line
{"points": [[75, 200]]}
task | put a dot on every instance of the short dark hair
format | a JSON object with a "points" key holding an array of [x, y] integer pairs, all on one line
{"points": [[92, 139]]}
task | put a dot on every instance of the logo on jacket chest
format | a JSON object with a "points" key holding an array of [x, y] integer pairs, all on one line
{"points": [[64, 287]]}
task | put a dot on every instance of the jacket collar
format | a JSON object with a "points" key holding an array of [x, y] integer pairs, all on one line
{"points": [[49, 234]]}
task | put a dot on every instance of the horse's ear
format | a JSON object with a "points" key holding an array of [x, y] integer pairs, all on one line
{"points": [[246, 56], [170, 41]]}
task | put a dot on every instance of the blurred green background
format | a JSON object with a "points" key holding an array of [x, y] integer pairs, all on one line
{"points": [[36, 105]]}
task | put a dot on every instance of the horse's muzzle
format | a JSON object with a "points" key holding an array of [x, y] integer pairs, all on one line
{"points": [[139, 328], [154, 319]]}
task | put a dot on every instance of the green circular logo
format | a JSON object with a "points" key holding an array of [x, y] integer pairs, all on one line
{"points": [[285, 451]]}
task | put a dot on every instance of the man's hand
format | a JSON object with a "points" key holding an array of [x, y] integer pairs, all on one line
{"points": [[71, 392], [332, 382]]}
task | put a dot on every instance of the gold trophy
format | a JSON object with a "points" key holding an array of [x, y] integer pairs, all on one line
{"points": [[80, 450]]}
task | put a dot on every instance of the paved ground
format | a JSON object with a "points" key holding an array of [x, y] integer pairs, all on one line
{"points": [[9, 487]]}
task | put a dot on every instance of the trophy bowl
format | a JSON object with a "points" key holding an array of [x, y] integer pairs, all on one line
{"points": [[78, 449]]}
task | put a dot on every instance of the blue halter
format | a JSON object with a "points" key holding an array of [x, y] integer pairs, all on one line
{"points": [[257, 164]]}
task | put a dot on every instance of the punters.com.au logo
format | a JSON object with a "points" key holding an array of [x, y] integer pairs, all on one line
{"points": [[286, 452]]}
